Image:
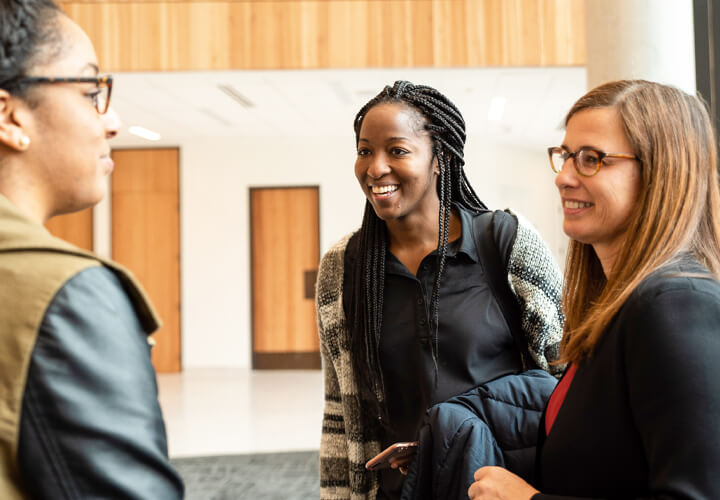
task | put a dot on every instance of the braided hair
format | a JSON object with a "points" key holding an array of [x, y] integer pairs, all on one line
{"points": [[27, 29], [446, 127]]}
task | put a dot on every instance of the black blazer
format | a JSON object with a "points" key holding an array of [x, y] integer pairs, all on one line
{"points": [[641, 418]]}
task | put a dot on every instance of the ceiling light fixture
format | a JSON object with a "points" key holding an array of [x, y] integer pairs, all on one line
{"points": [[233, 93], [144, 133]]}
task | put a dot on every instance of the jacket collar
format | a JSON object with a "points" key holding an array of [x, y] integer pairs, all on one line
{"points": [[20, 232]]}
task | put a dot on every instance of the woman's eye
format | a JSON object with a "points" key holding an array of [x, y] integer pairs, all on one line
{"points": [[398, 151], [93, 95], [363, 152]]}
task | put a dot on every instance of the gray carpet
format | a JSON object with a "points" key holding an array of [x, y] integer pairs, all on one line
{"points": [[287, 476]]}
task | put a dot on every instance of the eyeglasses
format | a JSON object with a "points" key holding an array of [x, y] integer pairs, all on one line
{"points": [[104, 83], [587, 160]]}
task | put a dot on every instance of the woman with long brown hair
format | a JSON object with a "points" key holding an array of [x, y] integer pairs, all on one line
{"points": [[636, 413]]}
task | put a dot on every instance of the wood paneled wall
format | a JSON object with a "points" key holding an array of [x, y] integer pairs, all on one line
{"points": [[168, 35]]}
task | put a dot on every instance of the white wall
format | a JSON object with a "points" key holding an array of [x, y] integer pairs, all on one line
{"points": [[215, 179], [215, 223]]}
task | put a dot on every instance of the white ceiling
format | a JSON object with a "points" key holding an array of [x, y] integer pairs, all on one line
{"points": [[185, 105]]}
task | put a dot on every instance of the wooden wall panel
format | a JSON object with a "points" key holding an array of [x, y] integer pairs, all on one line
{"points": [[146, 239], [167, 35], [76, 228]]}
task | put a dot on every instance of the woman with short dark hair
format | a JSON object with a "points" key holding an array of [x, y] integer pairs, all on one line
{"points": [[79, 415]]}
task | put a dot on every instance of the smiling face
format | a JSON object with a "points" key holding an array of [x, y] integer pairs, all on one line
{"points": [[69, 152], [597, 209], [395, 163]]}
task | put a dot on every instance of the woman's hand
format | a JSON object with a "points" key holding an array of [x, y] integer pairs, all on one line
{"points": [[402, 463], [496, 483]]}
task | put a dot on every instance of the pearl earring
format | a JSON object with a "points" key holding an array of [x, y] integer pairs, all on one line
{"points": [[24, 142]]}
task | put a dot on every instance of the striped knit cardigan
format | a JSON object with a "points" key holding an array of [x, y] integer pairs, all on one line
{"points": [[348, 439]]}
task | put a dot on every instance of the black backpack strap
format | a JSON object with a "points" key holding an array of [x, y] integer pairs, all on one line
{"points": [[493, 229]]}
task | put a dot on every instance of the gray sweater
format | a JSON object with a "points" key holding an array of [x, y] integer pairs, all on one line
{"points": [[347, 441]]}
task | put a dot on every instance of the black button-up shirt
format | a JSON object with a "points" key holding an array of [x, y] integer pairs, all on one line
{"points": [[474, 343]]}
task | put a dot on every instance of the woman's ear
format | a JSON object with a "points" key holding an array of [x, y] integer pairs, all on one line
{"points": [[12, 134], [435, 165]]}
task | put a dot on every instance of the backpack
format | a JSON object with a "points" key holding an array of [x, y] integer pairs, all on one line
{"points": [[494, 234]]}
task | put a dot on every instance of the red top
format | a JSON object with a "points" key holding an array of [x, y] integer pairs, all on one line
{"points": [[557, 398]]}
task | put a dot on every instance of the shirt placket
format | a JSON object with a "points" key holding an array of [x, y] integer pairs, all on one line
{"points": [[421, 304]]}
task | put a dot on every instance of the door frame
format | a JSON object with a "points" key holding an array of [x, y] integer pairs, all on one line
{"points": [[285, 360]]}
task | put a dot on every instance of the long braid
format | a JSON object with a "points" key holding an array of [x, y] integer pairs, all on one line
{"points": [[446, 127]]}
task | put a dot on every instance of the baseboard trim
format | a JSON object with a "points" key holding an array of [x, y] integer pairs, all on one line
{"points": [[286, 360]]}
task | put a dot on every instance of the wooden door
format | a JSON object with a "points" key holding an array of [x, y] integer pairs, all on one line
{"points": [[145, 238], [285, 254], [76, 228]]}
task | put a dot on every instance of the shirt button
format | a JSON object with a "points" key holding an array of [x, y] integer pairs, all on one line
{"points": [[422, 322], [424, 340], [419, 301]]}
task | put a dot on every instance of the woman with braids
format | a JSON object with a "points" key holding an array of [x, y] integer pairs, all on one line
{"points": [[406, 315], [637, 413], [79, 415]]}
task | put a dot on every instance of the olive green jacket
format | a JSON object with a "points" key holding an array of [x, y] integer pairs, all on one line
{"points": [[34, 265]]}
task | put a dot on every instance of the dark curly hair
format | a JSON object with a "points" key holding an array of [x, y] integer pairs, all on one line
{"points": [[446, 127], [27, 29]]}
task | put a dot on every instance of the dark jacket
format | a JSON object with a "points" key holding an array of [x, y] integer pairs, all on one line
{"points": [[641, 418], [493, 424], [79, 415]]}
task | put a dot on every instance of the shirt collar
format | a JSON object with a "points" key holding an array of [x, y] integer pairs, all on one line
{"points": [[466, 243]]}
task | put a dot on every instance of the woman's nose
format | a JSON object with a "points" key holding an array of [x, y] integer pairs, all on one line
{"points": [[567, 177], [378, 167], [111, 121]]}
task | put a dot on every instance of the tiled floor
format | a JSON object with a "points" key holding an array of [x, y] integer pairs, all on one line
{"points": [[236, 411]]}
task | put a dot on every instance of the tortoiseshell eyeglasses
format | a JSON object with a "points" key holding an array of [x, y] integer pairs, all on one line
{"points": [[101, 98], [587, 159]]}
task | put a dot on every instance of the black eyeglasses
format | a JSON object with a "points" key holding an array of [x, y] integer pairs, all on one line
{"points": [[587, 160], [104, 83]]}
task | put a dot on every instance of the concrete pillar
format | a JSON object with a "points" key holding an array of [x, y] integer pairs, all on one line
{"points": [[648, 39]]}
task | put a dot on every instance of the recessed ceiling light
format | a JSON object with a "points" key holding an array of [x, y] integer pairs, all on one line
{"points": [[144, 133], [497, 108], [235, 94]]}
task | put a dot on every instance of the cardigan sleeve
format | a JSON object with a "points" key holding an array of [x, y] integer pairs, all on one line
{"points": [[334, 463], [536, 281]]}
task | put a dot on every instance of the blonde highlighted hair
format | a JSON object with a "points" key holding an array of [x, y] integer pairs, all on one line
{"points": [[678, 207]]}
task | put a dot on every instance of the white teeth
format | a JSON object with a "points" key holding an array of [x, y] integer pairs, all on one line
{"points": [[384, 189], [576, 204]]}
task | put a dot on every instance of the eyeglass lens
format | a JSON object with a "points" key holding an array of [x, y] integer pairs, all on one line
{"points": [[586, 160], [101, 98]]}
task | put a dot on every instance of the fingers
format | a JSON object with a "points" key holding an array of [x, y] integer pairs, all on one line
{"points": [[482, 472], [495, 483], [396, 462]]}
